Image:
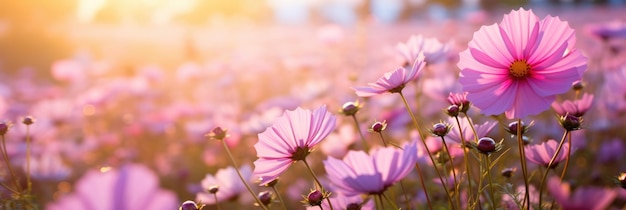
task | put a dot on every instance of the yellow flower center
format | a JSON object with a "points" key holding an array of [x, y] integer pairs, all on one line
{"points": [[519, 69]]}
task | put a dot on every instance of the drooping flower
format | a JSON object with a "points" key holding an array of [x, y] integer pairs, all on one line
{"points": [[131, 186], [577, 108], [592, 198], [228, 183], [541, 154], [433, 50], [518, 66], [289, 139], [393, 81], [360, 173]]}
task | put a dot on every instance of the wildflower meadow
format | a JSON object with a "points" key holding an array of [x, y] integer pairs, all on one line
{"points": [[334, 104]]}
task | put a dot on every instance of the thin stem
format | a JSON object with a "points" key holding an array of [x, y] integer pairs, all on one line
{"points": [[358, 128], [406, 197], [419, 172], [545, 174], [393, 205], [456, 182], [317, 181], [28, 183], [569, 154], [419, 132], [465, 158], [491, 192], [280, 198], [8, 163], [522, 154], [385, 142], [245, 183], [217, 203]]}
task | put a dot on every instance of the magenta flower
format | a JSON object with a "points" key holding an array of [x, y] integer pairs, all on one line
{"points": [[577, 108], [360, 173], [290, 139], [433, 50], [131, 186], [518, 66], [393, 81], [592, 198], [541, 154], [227, 182]]}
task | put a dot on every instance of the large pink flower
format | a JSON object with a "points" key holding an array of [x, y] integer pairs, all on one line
{"points": [[518, 66], [290, 139], [360, 173], [393, 81]]}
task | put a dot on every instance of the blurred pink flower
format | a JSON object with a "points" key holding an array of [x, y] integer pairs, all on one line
{"points": [[48, 167], [592, 198], [541, 154], [393, 81], [433, 50], [360, 173], [577, 108], [230, 186], [289, 139], [481, 130], [518, 66], [607, 30], [68, 70], [131, 186]]}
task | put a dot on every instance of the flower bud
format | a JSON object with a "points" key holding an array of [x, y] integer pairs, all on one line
{"points": [[188, 205], [578, 85], [265, 197], [622, 180], [378, 127], [350, 108], [440, 129], [213, 189], [508, 172], [486, 145], [28, 120], [353, 206], [315, 198], [218, 133], [570, 122], [4, 127], [453, 110], [512, 128]]}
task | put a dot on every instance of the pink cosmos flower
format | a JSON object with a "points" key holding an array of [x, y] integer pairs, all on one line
{"points": [[541, 154], [433, 50], [518, 66], [360, 173], [131, 186], [592, 198], [481, 130], [577, 108], [228, 183], [393, 81], [290, 139]]}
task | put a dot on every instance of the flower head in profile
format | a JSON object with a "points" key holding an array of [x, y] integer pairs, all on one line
{"points": [[577, 108], [225, 184], [541, 154], [360, 173], [592, 198], [393, 81], [518, 67], [433, 50], [289, 139]]}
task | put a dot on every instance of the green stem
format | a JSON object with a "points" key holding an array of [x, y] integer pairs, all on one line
{"points": [[245, 183], [419, 132], [317, 181], [358, 128], [545, 174], [280, 198], [28, 182], [569, 154], [465, 159], [491, 191], [522, 154], [393, 205], [456, 182], [8, 163], [217, 203]]}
